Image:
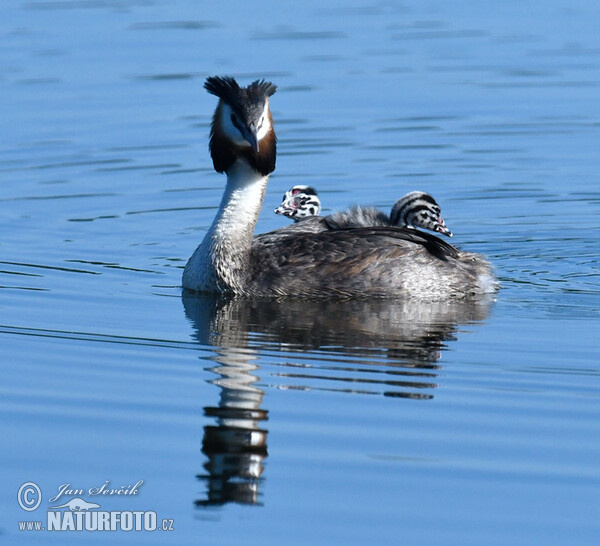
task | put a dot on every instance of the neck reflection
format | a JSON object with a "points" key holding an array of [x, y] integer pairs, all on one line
{"points": [[236, 445]]}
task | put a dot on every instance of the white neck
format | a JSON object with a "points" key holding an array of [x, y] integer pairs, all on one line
{"points": [[220, 261]]}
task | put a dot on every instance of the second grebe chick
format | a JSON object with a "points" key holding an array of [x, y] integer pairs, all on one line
{"points": [[416, 209], [419, 209]]}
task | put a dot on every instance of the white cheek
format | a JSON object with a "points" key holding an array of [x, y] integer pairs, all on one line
{"points": [[230, 129], [266, 126]]}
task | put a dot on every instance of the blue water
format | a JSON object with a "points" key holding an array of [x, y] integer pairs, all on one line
{"points": [[301, 423]]}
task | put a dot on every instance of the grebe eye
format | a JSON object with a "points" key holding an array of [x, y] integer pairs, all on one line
{"points": [[294, 192]]}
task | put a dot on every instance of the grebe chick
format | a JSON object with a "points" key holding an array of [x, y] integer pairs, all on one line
{"points": [[416, 209], [419, 209], [365, 262], [300, 202]]}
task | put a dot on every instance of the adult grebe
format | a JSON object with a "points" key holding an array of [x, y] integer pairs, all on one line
{"points": [[416, 209], [379, 261]]}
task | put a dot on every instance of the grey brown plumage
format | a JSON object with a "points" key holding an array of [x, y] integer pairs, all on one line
{"points": [[314, 261]]}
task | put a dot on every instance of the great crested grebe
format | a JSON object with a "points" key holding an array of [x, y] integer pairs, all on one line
{"points": [[416, 209], [300, 259]]}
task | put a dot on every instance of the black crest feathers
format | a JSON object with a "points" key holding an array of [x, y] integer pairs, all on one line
{"points": [[227, 89], [224, 87]]}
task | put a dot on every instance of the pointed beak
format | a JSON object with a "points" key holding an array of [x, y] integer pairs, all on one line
{"points": [[441, 227], [250, 134], [288, 206]]}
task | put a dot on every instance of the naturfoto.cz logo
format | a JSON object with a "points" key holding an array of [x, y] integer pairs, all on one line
{"points": [[78, 514]]}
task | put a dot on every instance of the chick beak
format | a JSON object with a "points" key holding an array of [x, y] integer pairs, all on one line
{"points": [[441, 227], [289, 205]]}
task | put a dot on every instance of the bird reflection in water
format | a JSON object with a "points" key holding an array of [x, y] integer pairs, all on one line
{"points": [[389, 348], [236, 446]]}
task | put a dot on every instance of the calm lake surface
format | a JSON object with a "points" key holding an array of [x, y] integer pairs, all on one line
{"points": [[301, 423]]}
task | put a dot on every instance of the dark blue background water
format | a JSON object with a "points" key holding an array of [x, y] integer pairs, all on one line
{"points": [[302, 423]]}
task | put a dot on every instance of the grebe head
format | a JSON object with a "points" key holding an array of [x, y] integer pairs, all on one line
{"points": [[242, 125], [419, 209], [300, 202]]}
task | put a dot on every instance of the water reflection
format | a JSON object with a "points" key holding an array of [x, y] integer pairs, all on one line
{"points": [[389, 348], [236, 446]]}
